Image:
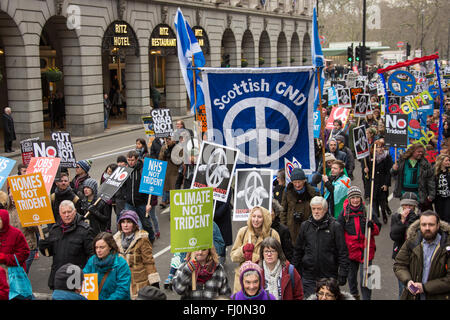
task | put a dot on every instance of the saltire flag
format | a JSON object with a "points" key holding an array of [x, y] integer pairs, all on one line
{"points": [[266, 113], [189, 51]]}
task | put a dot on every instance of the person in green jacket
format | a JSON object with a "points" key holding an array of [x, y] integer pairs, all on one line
{"points": [[114, 275]]}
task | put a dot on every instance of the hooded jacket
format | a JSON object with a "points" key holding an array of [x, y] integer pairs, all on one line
{"points": [[354, 223], [294, 202], [408, 264], [12, 242], [74, 245], [98, 217], [4, 287], [398, 229], [320, 250], [131, 187], [248, 235]]}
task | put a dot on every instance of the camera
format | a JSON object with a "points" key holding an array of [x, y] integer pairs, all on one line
{"points": [[298, 217]]}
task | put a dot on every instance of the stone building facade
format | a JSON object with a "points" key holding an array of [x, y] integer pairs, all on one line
{"points": [[83, 39]]}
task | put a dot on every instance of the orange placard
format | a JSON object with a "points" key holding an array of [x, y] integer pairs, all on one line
{"points": [[31, 199], [90, 286], [47, 166]]}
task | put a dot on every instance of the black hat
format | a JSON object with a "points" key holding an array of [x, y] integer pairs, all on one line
{"points": [[151, 293], [62, 275]]}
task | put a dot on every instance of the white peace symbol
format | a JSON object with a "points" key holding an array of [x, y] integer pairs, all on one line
{"points": [[261, 132], [192, 241], [344, 97], [361, 140], [254, 190], [216, 169], [362, 103]]}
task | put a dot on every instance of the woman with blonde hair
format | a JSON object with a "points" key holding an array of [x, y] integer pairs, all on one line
{"points": [[210, 277], [249, 238], [442, 179]]}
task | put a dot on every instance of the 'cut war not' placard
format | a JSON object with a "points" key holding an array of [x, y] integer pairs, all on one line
{"points": [[65, 149], [191, 218]]}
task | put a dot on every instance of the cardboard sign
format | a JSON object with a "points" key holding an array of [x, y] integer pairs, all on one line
{"points": [[48, 167], [191, 217], [362, 105], [109, 188], [153, 176], [148, 126], [26, 147], [31, 199], [338, 113], [332, 96], [396, 130], [47, 149], [65, 149], [162, 123], [253, 188], [354, 92], [6, 166], [215, 168], [90, 286], [344, 97], [361, 142]]}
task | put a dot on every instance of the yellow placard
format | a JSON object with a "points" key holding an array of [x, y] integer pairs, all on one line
{"points": [[90, 286], [31, 199]]}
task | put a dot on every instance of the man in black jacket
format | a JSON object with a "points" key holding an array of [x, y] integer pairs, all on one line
{"points": [[320, 250], [136, 200], [8, 129], [63, 191], [69, 241]]}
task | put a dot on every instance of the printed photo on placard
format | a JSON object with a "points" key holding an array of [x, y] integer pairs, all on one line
{"points": [[27, 149], [361, 142], [362, 105], [344, 97], [253, 188], [215, 168], [148, 126]]}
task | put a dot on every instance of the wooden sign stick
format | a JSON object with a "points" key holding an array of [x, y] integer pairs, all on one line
{"points": [[41, 234], [95, 203]]}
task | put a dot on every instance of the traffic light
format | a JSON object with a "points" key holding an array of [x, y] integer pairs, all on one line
{"points": [[366, 53], [350, 53], [358, 53], [408, 49]]}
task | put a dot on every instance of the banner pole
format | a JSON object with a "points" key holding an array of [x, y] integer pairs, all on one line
{"points": [[441, 107], [322, 126]]}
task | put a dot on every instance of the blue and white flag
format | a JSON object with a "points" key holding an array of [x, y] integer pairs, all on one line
{"points": [[189, 50], [318, 63], [266, 113]]}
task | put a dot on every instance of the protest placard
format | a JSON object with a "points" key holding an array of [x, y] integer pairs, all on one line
{"points": [[27, 149], [148, 126], [153, 176], [332, 97], [191, 217], [253, 188], [338, 113], [215, 168], [396, 130], [65, 149], [31, 199], [354, 92], [47, 166], [109, 188], [162, 123], [90, 286], [46, 148], [344, 97], [6, 165], [361, 142], [362, 105]]}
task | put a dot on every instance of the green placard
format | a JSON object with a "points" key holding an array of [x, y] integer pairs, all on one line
{"points": [[191, 218]]}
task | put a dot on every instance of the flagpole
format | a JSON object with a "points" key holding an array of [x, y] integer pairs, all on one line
{"points": [[195, 88], [322, 122]]}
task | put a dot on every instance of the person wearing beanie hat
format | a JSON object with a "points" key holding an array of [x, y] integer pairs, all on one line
{"points": [[151, 293], [295, 202], [99, 215], [68, 274], [81, 174], [355, 223], [405, 216], [135, 247], [252, 283], [337, 186]]}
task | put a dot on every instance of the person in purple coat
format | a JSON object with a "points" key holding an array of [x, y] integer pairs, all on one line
{"points": [[252, 283]]}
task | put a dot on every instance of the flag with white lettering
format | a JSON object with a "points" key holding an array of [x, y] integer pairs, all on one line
{"points": [[6, 165]]}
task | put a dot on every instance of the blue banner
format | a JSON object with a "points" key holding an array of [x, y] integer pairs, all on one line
{"points": [[6, 165], [266, 113], [153, 176]]}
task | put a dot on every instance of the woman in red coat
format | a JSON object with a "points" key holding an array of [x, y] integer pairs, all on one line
{"points": [[281, 279], [4, 288], [12, 242]]}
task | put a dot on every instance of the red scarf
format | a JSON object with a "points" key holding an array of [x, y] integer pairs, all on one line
{"points": [[206, 272]]}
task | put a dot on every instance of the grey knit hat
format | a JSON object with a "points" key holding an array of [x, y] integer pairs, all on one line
{"points": [[354, 191], [91, 183], [409, 198], [298, 174], [151, 293]]}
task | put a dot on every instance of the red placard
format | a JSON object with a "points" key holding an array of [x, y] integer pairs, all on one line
{"points": [[47, 166], [338, 113]]}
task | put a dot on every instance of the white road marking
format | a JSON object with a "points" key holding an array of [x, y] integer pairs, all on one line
{"points": [[108, 152], [156, 255]]}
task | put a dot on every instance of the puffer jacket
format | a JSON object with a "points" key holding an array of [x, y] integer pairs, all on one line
{"points": [[139, 256], [408, 264], [12, 242], [354, 223], [320, 250], [426, 180], [71, 246], [293, 202], [247, 235]]}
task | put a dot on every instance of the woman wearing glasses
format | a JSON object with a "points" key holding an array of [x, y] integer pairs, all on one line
{"points": [[328, 289], [281, 278]]}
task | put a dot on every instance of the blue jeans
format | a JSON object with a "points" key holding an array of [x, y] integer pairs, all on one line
{"points": [[401, 287], [145, 221], [353, 280], [106, 116]]}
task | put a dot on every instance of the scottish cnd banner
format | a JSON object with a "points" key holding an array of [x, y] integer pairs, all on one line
{"points": [[266, 113]]}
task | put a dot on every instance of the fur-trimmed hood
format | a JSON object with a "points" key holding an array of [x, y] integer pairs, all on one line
{"points": [[139, 234], [412, 230]]}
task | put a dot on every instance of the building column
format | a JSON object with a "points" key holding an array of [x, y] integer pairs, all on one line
{"points": [[176, 96]]}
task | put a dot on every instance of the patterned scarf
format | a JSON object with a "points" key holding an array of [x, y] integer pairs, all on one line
{"points": [[206, 272], [273, 279]]}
